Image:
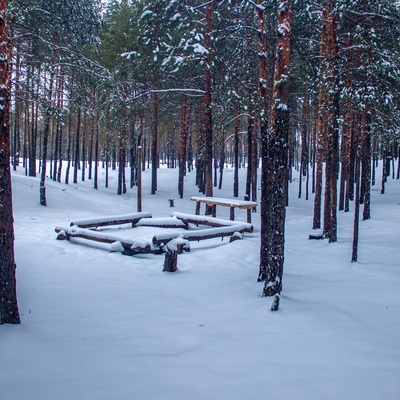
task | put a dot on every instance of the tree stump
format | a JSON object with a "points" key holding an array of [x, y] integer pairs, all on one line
{"points": [[171, 259]]}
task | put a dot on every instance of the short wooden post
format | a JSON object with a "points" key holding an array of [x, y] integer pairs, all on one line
{"points": [[214, 210], [171, 259], [198, 208], [139, 180], [249, 215], [232, 214]]}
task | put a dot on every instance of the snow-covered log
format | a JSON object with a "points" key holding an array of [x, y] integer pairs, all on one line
{"points": [[130, 247], [96, 222], [200, 234], [210, 221], [166, 222]]}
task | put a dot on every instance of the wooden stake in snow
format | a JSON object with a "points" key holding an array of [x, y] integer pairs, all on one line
{"points": [[171, 257], [139, 180]]}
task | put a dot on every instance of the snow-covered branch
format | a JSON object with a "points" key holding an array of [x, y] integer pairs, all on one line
{"points": [[195, 92]]}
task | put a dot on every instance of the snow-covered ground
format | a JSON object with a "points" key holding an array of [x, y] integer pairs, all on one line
{"points": [[103, 326]]}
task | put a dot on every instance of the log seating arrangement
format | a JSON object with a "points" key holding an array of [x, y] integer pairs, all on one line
{"points": [[213, 202], [171, 242]]}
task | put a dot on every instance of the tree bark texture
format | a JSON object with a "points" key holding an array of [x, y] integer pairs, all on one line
{"points": [[277, 162], [8, 293], [208, 181], [77, 138], [263, 102], [154, 146], [46, 132], [236, 151], [182, 145]]}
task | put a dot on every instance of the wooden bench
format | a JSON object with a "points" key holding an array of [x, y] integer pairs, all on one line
{"points": [[213, 202]]}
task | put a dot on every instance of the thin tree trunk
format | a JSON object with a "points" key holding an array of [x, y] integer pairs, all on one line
{"points": [[77, 136], [122, 154], [384, 171], [96, 151], [255, 162], [17, 108], [83, 152], [182, 145], [69, 138], [250, 153], [366, 169], [354, 255], [154, 145], [46, 130], [91, 144], [208, 106], [236, 155]]}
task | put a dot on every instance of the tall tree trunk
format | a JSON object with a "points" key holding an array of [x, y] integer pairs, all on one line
{"points": [[263, 108], [304, 144], [320, 147], [255, 163], [17, 108], [221, 161], [69, 145], [96, 151], [208, 105], [8, 293], [322, 116], [122, 154], [354, 255], [133, 155], [154, 145], [83, 152], [77, 137], [366, 164], [182, 145], [46, 130], [250, 153], [236, 155], [277, 163], [91, 144]]}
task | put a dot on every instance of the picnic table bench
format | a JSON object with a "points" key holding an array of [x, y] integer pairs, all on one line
{"points": [[232, 203]]}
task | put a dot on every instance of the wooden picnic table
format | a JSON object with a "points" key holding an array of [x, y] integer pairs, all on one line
{"points": [[232, 203]]}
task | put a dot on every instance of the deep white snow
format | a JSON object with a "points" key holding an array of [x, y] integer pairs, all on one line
{"points": [[98, 325]]}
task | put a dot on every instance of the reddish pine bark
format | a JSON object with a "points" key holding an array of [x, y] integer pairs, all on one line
{"points": [[8, 294]]}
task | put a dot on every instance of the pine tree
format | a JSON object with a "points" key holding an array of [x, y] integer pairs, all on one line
{"points": [[275, 165], [8, 294]]}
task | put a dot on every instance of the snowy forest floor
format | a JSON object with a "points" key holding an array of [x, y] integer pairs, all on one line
{"points": [[103, 326]]}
